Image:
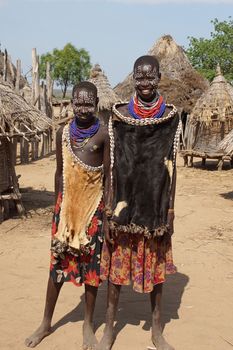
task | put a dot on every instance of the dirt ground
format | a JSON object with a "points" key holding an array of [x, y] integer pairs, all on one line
{"points": [[198, 303]]}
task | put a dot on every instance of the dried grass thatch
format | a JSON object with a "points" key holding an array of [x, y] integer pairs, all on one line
{"points": [[107, 96], [230, 90], [17, 117], [226, 145], [180, 84], [18, 121], [211, 119]]}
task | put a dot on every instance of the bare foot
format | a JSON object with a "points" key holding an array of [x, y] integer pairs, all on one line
{"points": [[107, 341], [158, 339], [37, 336], [89, 339], [161, 344]]}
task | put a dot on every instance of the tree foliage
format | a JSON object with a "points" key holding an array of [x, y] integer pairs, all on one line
{"points": [[205, 54], [68, 66]]}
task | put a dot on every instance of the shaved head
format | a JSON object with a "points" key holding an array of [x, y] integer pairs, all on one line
{"points": [[86, 85], [147, 59]]}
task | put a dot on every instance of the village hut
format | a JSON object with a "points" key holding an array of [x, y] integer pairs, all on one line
{"points": [[226, 145], [209, 122], [107, 96], [18, 121], [180, 83]]}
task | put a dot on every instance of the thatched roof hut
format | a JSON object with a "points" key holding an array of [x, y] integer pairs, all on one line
{"points": [[180, 83], [107, 96], [17, 117], [210, 120], [226, 145], [18, 120]]}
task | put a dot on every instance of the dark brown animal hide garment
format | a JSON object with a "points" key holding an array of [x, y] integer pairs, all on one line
{"points": [[143, 168]]}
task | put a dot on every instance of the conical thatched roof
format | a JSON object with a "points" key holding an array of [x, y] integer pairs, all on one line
{"points": [[180, 84], [220, 78], [215, 103], [17, 117], [212, 116], [107, 96]]}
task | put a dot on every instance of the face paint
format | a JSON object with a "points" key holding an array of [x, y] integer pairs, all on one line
{"points": [[84, 103], [146, 79]]}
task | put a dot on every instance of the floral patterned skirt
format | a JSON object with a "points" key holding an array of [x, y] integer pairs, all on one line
{"points": [[85, 266], [135, 258]]}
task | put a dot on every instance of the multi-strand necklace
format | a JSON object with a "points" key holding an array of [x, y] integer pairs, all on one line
{"points": [[139, 109], [81, 136]]}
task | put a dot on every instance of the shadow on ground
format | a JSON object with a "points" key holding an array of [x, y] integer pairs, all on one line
{"points": [[133, 307], [36, 199], [227, 195], [211, 165], [46, 156]]}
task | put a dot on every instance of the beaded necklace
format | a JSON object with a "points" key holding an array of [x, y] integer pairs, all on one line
{"points": [[81, 136], [139, 109]]}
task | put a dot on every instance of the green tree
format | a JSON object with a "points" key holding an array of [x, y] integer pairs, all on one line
{"points": [[205, 54], [68, 66]]}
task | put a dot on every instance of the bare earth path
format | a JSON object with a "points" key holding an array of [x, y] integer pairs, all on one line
{"points": [[198, 303]]}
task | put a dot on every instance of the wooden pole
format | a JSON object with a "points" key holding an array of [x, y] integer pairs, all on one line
{"points": [[42, 146], [5, 66], [14, 150], [35, 79], [33, 74], [18, 74], [49, 85], [37, 90], [43, 98], [18, 201], [11, 70]]}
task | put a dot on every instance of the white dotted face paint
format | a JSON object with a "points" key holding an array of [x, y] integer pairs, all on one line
{"points": [[84, 102], [146, 74], [146, 80]]}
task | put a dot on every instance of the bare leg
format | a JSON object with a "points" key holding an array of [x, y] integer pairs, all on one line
{"points": [[44, 329], [232, 162], [191, 161], [113, 298], [185, 161], [203, 162], [89, 339], [157, 337], [220, 164]]}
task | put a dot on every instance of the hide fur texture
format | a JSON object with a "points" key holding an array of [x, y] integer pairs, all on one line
{"points": [[142, 176], [82, 192]]}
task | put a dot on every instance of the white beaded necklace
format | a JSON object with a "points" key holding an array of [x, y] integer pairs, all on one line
{"points": [[145, 121], [78, 160]]}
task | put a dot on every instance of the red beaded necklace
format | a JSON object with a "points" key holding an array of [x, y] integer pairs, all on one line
{"points": [[147, 112]]}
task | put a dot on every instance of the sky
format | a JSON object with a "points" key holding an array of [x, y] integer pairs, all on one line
{"points": [[114, 32]]}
